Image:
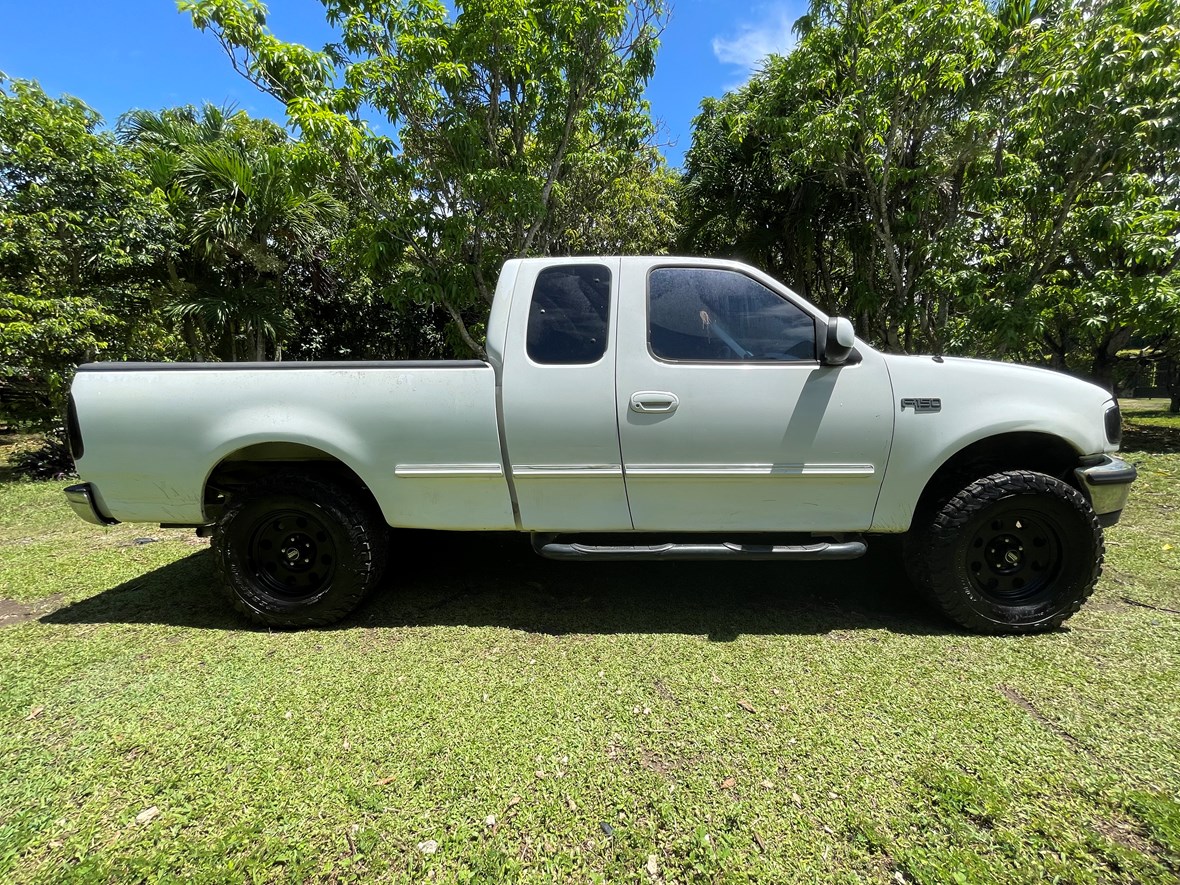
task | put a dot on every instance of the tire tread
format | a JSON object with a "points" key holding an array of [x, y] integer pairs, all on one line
{"points": [[366, 532], [930, 552]]}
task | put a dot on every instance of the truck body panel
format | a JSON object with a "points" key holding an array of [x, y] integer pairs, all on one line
{"points": [[757, 445], [559, 419], [978, 400], [423, 438]]}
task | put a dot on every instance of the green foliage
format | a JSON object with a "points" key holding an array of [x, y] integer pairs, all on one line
{"points": [[993, 178], [248, 204], [511, 120], [841, 166], [197, 233], [615, 206], [1161, 818], [79, 229], [1080, 202], [48, 458], [341, 314]]}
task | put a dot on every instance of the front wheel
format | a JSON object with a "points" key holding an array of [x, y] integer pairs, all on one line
{"points": [[297, 551], [1014, 552]]}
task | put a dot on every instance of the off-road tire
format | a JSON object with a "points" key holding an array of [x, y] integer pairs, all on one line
{"points": [[335, 537], [1013, 552]]}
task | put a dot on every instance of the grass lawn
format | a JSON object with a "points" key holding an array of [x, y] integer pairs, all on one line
{"points": [[537, 721]]}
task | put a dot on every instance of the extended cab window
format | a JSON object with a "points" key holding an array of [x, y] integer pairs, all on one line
{"points": [[700, 313], [569, 314]]}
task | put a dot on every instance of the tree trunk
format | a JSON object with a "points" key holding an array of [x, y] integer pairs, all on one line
{"points": [[464, 333], [189, 331], [1106, 357], [1172, 374]]}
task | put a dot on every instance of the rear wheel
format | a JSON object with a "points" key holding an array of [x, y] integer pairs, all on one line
{"points": [[1014, 552], [296, 551]]}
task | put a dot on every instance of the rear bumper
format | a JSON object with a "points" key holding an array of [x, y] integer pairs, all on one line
{"points": [[1107, 483], [81, 499]]}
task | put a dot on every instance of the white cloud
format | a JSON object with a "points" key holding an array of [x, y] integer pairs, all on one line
{"points": [[754, 40]]}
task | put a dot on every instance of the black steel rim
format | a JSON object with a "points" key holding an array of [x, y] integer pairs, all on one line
{"points": [[1014, 556], [292, 554]]}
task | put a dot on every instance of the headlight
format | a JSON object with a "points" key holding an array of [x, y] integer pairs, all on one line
{"points": [[1114, 424]]}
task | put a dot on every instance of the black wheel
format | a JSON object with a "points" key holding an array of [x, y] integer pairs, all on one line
{"points": [[297, 551], [1014, 552]]}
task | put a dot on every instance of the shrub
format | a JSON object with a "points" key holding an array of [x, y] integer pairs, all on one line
{"points": [[50, 460]]}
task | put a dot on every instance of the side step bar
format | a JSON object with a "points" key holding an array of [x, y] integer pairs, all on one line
{"points": [[551, 549]]}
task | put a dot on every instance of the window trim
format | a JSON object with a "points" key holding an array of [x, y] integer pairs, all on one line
{"points": [[612, 302], [806, 308]]}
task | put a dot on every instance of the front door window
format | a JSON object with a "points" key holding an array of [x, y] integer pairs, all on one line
{"points": [[698, 314]]}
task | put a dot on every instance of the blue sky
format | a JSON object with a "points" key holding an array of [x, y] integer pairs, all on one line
{"points": [[143, 54]]}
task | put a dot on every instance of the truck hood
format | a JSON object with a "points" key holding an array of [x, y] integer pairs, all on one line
{"points": [[995, 372]]}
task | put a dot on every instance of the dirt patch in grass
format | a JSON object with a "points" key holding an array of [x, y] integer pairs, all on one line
{"points": [[13, 612], [1126, 833], [12, 442]]}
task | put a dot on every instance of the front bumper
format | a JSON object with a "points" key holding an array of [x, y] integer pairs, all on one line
{"points": [[1107, 483], [81, 499]]}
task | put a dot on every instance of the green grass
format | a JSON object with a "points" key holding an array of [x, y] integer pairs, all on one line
{"points": [[1145, 404], [737, 722]]}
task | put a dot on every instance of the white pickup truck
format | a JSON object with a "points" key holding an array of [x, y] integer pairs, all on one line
{"points": [[630, 408]]}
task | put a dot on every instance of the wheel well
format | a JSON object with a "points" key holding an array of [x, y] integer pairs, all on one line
{"points": [[246, 466], [1040, 452]]}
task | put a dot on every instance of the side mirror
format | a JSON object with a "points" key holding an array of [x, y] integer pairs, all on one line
{"points": [[838, 342]]}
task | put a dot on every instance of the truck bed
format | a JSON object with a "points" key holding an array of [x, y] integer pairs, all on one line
{"points": [[154, 432]]}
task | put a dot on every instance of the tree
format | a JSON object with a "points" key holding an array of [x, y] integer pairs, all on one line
{"points": [[615, 205], [499, 113], [78, 232], [989, 178], [249, 203], [1079, 205], [898, 128], [852, 151], [745, 198]]}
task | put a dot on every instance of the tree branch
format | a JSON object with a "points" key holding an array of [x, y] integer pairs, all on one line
{"points": [[463, 332]]}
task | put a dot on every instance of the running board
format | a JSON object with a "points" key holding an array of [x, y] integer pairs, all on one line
{"points": [[718, 550]]}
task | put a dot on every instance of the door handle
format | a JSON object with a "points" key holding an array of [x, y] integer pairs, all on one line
{"points": [[654, 401]]}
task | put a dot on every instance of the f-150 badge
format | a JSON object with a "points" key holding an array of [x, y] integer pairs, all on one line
{"points": [[922, 404]]}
